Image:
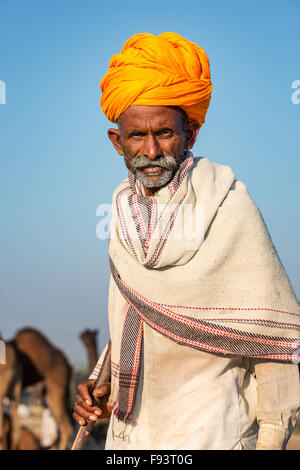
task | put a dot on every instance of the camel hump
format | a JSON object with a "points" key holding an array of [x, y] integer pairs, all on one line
{"points": [[46, 358], [32, 332], [33, 338]]}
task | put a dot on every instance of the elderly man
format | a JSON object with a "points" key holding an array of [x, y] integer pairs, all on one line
{"points": [[203, 320]]}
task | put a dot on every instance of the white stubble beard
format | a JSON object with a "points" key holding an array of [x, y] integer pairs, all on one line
{"points": [[165, 177]]}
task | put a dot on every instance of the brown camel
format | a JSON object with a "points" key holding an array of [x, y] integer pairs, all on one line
{"points": [[89, 339], [10, 387], [42, 361]]}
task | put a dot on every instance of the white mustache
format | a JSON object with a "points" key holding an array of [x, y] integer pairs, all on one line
{"points": [[143, 161]]}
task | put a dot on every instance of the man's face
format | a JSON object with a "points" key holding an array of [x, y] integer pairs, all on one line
{"points": [[153, 140]]}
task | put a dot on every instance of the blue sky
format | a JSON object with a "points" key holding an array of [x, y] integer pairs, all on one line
{"points": [[57, 164]]}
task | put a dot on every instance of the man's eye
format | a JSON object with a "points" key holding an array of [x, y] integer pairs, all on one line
{"points": [[136, 136], [165, 133]]}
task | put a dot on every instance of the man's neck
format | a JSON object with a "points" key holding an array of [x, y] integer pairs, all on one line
{"points": [[151, 191]]}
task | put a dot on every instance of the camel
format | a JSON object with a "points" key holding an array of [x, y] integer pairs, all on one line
{"points": [[41, 361], [10, 387], [88, 337]]}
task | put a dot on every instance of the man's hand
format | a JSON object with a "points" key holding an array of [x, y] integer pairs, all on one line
{"points": [[84, 409]]}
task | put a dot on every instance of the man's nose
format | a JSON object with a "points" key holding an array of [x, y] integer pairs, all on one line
{"points": [[151, 147]]}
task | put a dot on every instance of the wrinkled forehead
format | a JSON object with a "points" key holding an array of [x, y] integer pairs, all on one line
{"points": [[142, 117]]}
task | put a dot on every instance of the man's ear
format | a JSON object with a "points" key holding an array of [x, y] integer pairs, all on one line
{"points": [[114, 136], [192, 129]]}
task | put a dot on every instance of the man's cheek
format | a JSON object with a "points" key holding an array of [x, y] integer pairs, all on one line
{"points": [[177, 152], [132, 152], [128, 164]]}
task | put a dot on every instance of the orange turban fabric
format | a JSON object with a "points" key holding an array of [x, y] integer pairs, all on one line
{"points": [[163, 70]]}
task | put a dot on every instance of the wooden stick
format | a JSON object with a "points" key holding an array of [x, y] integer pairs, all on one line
{"points": [[83, 432]]}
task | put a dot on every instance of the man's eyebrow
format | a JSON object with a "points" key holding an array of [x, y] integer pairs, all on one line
{"points": [[158, 131]]}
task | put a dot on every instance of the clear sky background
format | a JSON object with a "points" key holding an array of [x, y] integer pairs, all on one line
{"points": [[57, 164]]}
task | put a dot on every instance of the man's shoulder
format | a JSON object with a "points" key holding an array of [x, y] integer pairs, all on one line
{"points": [[219, 180], [206, 164], [219, 172]]}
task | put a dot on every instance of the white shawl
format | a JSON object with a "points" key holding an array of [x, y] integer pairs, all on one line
{"points": [[197, 264]]}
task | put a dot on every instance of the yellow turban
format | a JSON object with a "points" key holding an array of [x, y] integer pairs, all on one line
{"points": [[163, 70]]}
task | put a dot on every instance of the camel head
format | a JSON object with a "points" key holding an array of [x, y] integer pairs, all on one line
{"points": [[88, 337]]}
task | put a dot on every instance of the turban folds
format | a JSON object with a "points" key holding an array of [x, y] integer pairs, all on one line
{"points": [[163, 70]]}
